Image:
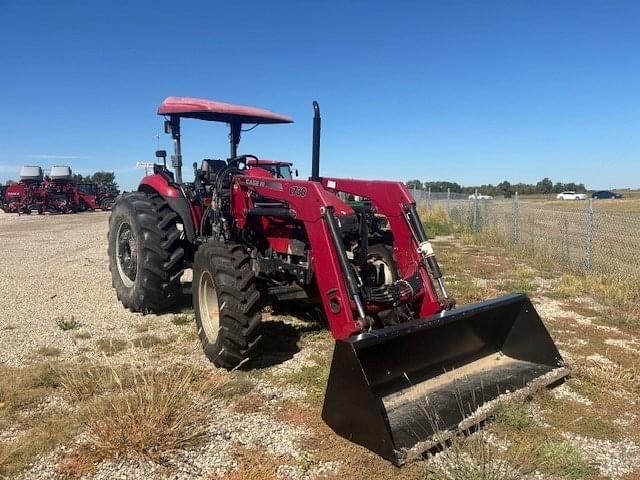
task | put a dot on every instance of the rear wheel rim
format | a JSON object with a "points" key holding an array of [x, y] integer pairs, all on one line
{"points": [[126, 254], [208, 307]]}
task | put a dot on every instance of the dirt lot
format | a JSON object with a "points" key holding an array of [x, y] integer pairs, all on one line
{"points": [[81, 379]]}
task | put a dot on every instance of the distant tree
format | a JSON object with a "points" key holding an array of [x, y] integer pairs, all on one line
{"points": [[9, 183], [442, 186], [544, 186], [505, 189], [414, 184], [78, 178], [107, 180]]}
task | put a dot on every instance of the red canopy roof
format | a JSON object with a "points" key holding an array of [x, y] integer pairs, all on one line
{"points": [[218, 111]]}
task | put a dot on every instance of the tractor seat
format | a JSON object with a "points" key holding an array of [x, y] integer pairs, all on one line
{"points": [[210, 168]]}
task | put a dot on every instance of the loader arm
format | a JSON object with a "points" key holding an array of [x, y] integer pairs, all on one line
{"points": [[307, 202], [392, 199]]}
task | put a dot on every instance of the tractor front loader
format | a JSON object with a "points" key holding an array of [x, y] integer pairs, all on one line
{"points": [[407, 363]]}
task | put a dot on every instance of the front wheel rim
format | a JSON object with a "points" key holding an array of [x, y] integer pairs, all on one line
{"points": [[208, 307]]}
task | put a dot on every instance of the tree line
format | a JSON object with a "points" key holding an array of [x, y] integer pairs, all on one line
{"points": [[506, 189]]}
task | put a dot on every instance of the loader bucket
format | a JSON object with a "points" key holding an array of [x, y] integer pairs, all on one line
{"points": [[397, 389]]}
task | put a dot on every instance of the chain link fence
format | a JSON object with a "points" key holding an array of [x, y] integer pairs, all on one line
{"points": [[592, 236]]}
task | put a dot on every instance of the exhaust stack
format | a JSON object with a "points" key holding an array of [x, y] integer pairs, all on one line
{"points": [[315, 149]]}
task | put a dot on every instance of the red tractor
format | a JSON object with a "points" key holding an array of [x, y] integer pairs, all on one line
{"points": [[96, 194], [406, 362]]}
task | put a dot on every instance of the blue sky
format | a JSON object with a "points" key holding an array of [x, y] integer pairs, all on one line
{"points": [[467, 91]]}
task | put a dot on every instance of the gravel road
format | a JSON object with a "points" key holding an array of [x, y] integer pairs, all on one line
{"points": [[53, 267]]}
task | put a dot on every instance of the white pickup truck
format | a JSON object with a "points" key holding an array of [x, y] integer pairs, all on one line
{"points": [[570, 195]]}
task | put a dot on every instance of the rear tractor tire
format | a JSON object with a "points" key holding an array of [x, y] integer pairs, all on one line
{"points": [[226, 302], [146, 256]]}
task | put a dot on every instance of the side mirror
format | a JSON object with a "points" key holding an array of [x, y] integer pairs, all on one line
{"points": [[167, 126], [295, 172]]}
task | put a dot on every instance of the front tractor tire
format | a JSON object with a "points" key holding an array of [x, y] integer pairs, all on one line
{"points": [[145, 252], [226, 302]]}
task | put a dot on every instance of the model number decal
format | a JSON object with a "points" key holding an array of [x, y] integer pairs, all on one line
{"points": [[297, 191]]}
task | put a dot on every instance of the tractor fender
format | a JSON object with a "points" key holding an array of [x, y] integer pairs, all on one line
{"points": [[174, 197]]}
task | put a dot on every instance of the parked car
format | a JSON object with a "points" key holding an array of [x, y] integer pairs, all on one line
{"points": [[571, 195], [605, 194], [480, 196]]}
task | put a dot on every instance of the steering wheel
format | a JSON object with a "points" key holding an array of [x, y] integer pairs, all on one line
{"points": [[242, 159]]}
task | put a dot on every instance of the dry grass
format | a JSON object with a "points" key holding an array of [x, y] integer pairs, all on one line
{"points": [[126, 411], [607, 376], [111, 346], [22, 390], [473, 458], [77, 462], [253, 464], [148, 340], [150, 416], [436, 221], [82, 335], [47, 351], [45, 433], [609, 290]]}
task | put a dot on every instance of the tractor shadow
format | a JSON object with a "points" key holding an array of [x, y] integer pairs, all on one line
{"points": [[281, 331], [281, 338]]}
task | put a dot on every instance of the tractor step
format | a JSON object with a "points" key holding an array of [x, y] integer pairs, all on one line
{"points": [[403, 389]]}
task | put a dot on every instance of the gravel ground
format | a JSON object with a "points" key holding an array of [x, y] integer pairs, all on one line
{"points": [[57, 267]]}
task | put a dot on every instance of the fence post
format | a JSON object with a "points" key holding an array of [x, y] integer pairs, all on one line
{"points": [[414, 193], [448, 201], [589, 256], [515, 229], [475, 212], [429, 199]]}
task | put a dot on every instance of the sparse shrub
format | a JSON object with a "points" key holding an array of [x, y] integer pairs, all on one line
{"points": [[148, 340], [47, 351], [153, 416], [85, 381], [513, 415], [67, 323], [561, 458], [472, 458], [142, 327], [235, 386], [606, 376], [82, 335], [182, 319], [111, 346]]}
